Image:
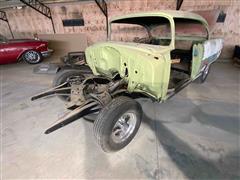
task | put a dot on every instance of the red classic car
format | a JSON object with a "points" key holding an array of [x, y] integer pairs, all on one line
{"points": [[30, 50]]}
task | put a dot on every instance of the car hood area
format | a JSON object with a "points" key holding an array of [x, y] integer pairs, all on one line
{"points": [[100, 55], [134, 47]]}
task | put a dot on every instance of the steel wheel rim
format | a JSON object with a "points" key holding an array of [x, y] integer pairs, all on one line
{"points": [[32, 56], [124, 127]]}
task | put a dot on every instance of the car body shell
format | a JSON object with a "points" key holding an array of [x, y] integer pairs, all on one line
{"points": [[114, 70], [11, 51], [146, 68]]}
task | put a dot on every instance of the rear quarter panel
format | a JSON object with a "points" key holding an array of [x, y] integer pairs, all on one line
{"points": [[212, 49], [205, 53], [38, 46]]}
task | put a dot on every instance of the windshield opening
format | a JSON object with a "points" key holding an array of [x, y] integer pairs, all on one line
{"points": [[146, 30], [128, 32]]}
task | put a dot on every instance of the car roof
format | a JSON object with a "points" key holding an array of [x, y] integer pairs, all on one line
{"points": [[164, 13]]}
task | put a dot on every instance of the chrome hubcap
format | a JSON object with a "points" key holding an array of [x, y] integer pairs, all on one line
{"points": [[32, 56], [124, 127]]}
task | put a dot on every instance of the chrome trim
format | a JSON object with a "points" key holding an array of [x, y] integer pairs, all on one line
{"points": [[124, 127], [47, 53]]}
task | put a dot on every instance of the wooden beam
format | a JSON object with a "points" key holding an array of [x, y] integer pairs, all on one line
{"points": [[179, 4], [103, 7]]}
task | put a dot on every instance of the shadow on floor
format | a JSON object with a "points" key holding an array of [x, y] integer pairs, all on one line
{"points": [[218, 114], [94, 159], [191, 163], [229, 123]]}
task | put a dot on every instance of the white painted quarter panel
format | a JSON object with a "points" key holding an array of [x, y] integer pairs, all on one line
{"points": [[212, 47]]}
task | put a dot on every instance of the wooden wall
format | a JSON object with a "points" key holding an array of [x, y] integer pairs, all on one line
{"points": [[25, 22]]}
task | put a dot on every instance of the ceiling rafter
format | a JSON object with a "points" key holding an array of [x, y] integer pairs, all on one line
{"points": [[3, 17], [179, 4], [104, 8], [41, 8]]}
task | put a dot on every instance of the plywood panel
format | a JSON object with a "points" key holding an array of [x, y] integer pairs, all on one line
{"points": [[26, 22], [64, 43]]}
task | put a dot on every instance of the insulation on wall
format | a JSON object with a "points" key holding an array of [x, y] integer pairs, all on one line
{"points": [[25, 22]]}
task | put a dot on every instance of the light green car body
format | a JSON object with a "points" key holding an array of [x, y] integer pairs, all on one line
{"points": [[146, 68]]}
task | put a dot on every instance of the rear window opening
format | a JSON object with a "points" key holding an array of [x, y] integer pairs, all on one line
{"points": [[146, 30]]}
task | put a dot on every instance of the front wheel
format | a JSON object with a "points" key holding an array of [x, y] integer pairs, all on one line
{"points": [[32, 57], [117, 123]]}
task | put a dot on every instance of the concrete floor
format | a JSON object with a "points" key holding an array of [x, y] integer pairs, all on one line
{"points": [[193, 135]]}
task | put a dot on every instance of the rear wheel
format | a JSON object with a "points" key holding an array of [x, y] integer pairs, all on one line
{"points": [[202, 78], [117, 123], [32, 57], [205, 73], [69, 76]]}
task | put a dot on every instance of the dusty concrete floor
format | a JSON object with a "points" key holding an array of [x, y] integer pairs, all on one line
{"points": [[194, 135]]}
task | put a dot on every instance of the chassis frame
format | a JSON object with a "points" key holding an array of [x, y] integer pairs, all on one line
{"points": [[112, 74], [91, 94]]}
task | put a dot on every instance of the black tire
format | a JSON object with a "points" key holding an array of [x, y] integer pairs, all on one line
{"points": [[62, 76], [202, 78], [92, 115], [205, 73], [110, 116], [32, 57]]}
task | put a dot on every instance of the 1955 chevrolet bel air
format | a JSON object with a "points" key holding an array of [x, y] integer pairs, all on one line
{"points": [[173, 50]]}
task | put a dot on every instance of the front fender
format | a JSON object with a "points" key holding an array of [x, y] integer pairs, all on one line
{"points": [[144, 72]]}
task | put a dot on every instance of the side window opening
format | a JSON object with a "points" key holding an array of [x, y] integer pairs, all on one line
{"points": [[187, 33]]}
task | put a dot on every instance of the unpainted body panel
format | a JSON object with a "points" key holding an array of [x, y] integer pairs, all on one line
{"points": [[146, 68]]}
